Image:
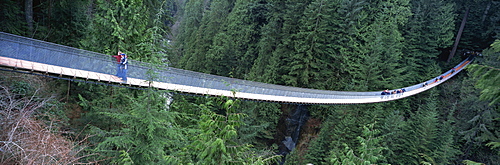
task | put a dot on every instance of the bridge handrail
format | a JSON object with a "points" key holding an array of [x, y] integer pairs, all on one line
{"points": [[54, 54]]}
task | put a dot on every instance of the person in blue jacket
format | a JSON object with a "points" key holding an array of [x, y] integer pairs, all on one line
{"points": [[124, 67]]}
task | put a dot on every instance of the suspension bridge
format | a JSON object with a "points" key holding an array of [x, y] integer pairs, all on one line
{"points": [[34, 56]]}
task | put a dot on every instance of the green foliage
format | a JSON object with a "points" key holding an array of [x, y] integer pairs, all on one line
{"points": [[493, 144], [214, 140], [335, 130], [369, 152], [215, 144], [277, 41], [393, 130], [11, 17], [482, 23], [118, 26], [208, 37], [489, 76], [86, 94], [419, 133], [144, 130], [125, 158], [65, 21], [260, 125], [61, 22], [267, 64], [309, 65], [495, 46], [384, 42], [482, 120], [191, 21], [475, 122], [429, 28], [470, 162], [147, 132], [354, 45], [22, 88], [422, 130]]}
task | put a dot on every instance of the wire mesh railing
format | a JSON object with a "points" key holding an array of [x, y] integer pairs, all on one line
{"points": [[28, 49]]}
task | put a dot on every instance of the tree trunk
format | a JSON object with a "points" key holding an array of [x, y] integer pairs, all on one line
{"points": [[486, 12], [28, 9], [457, 40]]}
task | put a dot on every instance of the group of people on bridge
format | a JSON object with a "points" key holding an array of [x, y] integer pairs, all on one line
{"points": [[397, 91], [122, 65], [469, 54]]}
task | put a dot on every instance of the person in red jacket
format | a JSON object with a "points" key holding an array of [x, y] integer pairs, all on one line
{"points": [[118, 62]]}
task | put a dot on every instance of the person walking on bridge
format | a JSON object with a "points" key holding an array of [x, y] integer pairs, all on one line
{"points": [[124, 67], [118, 58]]}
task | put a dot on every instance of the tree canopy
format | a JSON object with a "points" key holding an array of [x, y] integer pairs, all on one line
{"points": [[345, 45]]}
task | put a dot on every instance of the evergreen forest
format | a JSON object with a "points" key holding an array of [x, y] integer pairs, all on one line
{"points": [[341, 45]]}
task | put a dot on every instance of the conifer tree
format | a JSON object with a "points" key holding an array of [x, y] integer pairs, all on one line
{"points": [[429, 29], [266, 67], [447, 149], [261, 123], [215, 141], [233, 50], [479, 132], [337, 129], [482, 23], [118, 26], [146, 133], [369, 152], [383, 41], [310, 64], [11, 18], [478, 114], [59, 22], [196, 58], [215, 144], [351, 56], [277, 41], [489, 74], [191, 19], [420, 140], [64, 21], [393, 129]]}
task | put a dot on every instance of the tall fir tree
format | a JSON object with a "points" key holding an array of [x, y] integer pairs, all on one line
{"points": [[146, 132], [271, 61], [369, 152], [478, 110], [340, 127], [261, 123], [11, 17], [384, 41], [62, 22], [117, 26], [196, 58], [351, 55], [191, 20], [429, 29], [481, 22], [488, 70], [266, 67], [256, 16], [393, 127], [214, 139], [310, 64], [420, 139]]}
